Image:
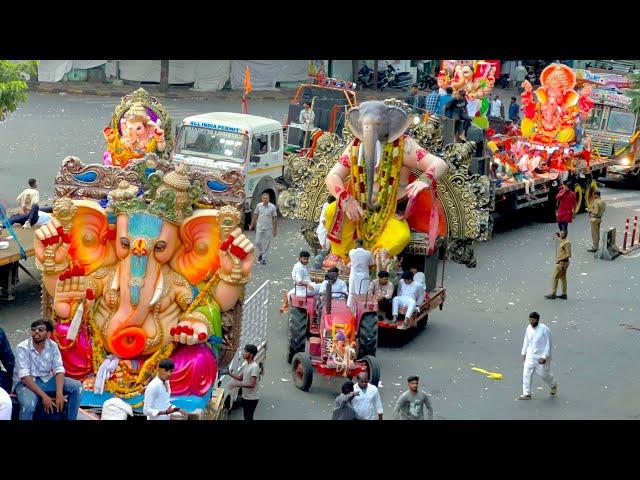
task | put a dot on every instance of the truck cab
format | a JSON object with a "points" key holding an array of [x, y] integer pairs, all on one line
{"points": [[224, 142]]}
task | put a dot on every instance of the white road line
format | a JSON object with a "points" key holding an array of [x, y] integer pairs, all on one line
{"points": [[631, 203]]}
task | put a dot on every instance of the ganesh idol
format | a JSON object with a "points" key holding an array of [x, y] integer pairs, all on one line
{"points": [[385, 186], [134, 134], [143, 278]]}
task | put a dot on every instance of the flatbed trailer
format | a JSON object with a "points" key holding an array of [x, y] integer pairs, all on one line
{"points": [[10, 259]]}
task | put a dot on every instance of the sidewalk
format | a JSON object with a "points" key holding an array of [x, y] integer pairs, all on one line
{"points": [[186, 93]]}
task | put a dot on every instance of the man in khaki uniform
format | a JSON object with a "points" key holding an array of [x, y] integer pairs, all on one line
{"points": [[563, 254], [596, 211]]}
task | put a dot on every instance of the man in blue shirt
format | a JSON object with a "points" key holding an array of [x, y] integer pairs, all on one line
{"points": [[443, 100], [514, 110], [431, 102]]}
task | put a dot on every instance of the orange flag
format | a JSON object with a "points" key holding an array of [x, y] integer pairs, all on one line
{"points": [[247, 81]]}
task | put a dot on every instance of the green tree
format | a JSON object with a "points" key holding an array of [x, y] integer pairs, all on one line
{"points": [[634, 93], [13, 85]]}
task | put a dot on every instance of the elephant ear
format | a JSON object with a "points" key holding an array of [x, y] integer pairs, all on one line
{"points": [[198, 256], [91, 241], [398, 122], [353, 120]]}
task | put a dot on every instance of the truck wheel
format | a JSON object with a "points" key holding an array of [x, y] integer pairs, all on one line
{"points": [[592, 186], [577, 188], [373, 369], [297, 331], [302, 370], [368, 334]]}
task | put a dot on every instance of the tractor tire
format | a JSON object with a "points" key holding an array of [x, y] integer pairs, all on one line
{"points": [[368, 334], [297, 331], [373, 369], [302, 371]]}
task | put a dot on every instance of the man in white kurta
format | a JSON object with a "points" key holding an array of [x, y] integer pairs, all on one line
{"points": [[410, 294], [367, 403], [338, 287], [418, 276], [536, 351], [361, 261]]}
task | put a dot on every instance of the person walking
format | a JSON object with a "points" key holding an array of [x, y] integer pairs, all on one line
{"points": [[342, 408], [496, 107], [157, 405], [361, 263], [520, 76], [367, 403], [536, 354], [410, 405], [265, 221], [249, 380], [514, 110], [566, 199], [563, 254], [596, 211]]}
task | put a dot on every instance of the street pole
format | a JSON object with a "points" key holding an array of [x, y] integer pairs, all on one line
{"points": [[164, 74]]}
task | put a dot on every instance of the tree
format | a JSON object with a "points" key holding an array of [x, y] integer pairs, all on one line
{"points": [[13, 85], [634, 93], [164, 74]]}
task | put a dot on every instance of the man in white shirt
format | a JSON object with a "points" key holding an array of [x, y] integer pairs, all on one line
{"points": [[116, 409], [29, 196], [321, 231], [249, 381], [410, 294], [361, 263], [536, 353], [496, 107], [367, 403], [338, 287], [418, 277], [39, 372], [265, 221], [157, 405], [307, 117], [303, 284]]}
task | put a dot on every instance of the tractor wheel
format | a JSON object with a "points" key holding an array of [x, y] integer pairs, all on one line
{"points": [[577, 188], [297, 331], [368, 334], [373, 369], [302, 370]]}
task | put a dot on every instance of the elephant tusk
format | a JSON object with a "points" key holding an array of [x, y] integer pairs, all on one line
{"points": [[378, 153], [361, 155], [158, 292], [115, 283]]}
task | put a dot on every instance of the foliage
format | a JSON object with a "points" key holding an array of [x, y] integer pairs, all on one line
{"points": [[13, 87], [634, 93]]}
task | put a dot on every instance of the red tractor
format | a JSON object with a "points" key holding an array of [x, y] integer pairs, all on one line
{"points": [[326, 336]]}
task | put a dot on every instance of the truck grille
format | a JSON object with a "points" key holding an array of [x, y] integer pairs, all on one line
{"points": [[605, 147]]}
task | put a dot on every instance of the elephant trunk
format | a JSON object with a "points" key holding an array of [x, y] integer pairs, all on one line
{"points": [[370, 140]]}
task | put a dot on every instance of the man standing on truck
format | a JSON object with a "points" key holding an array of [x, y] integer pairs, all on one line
{"points": [[596, 211], [265, 221], [563, 254], [361, 265], [307, 117]]}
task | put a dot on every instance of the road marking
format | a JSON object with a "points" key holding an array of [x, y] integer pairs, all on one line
{"points": [[631, 203]]}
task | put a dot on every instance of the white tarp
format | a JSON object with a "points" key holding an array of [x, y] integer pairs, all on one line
{"points": [[293, 70], [55, 70], [264, 74], [211, 74], [140, 70]]}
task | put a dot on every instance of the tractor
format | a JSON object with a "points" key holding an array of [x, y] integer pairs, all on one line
{"points": [[326, 335]]}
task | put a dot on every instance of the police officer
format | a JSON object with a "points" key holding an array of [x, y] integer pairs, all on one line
{"points": [[563, 254], [596, 211]]}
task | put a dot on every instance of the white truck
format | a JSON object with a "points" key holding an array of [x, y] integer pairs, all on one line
{"points": [[225, 144]]}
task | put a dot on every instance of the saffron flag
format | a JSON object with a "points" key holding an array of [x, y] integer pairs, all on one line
{"points": [[247, 81]]}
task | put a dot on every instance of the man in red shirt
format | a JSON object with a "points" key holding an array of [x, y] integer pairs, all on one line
{"points": [[566, 206]]}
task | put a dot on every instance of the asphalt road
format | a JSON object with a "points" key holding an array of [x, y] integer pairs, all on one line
{"points": [[482, 324]]}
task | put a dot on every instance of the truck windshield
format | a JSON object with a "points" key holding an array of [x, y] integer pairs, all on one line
{"points": [[621, 122], [595, 119], [204, 142]]}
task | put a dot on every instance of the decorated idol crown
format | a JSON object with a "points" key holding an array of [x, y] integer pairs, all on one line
{"points": [[170, 196]]}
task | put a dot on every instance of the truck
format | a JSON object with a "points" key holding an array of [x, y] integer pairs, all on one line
{"points": [[233, 150]]}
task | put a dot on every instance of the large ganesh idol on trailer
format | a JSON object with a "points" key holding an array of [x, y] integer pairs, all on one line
{"points": [[550, 116], [139, 266], [376, 181]]}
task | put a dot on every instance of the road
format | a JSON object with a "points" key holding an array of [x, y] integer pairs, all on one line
{"points": [[483, 320]]}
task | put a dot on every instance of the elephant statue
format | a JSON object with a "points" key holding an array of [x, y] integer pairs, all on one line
{"points": [[379, 195], [145, 278]]}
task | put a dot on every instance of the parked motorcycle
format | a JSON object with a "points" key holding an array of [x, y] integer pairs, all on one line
{"points": [[395, 79], [503, 81], [427, 82], [365, 77]]}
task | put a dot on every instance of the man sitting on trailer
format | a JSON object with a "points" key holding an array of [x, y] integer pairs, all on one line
{"points": [[382, 290], [410, 295]]}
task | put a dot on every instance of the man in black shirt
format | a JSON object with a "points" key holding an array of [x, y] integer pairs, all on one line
{"points": [[457, 110]]}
